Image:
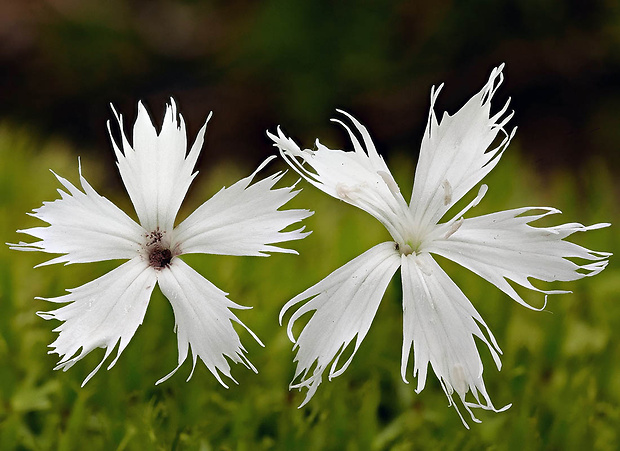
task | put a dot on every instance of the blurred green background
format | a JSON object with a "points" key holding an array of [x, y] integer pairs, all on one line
{"points": [[260, 64]]}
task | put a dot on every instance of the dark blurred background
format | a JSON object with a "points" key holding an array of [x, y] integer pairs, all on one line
{"points": [[260, 64]]}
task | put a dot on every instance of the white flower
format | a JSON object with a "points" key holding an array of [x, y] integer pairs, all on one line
{"points": [[157, 171], [439, 322]]}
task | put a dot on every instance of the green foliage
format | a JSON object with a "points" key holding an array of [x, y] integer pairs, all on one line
{"points": [[561, 370]]}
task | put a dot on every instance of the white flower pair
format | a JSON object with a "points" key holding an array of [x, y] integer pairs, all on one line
{"points": [[439, 322]]}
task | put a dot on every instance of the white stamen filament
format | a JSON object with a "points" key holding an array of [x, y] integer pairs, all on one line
{"points": [[481, 193], [453, 228], [447, 198], [389, 181], [344, 191]]}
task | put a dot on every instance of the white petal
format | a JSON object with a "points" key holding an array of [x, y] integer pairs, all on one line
{"points": [[345, 303], [360, 178], [440, 323], [242, 220], [83, 225], [454, 156], [102, 313], [503, 245], [156, 171], [203, 321]]}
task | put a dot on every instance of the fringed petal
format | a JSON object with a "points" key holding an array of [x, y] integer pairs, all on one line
{"points": [[454, 155], [243, 219], [440, 324], [156, 170], [84, 226], [204, 321], [102, 314], [504, 246], [345, 303], [360, 178]]}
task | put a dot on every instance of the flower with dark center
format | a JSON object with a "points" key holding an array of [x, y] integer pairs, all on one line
{"points": [[243, 219]]}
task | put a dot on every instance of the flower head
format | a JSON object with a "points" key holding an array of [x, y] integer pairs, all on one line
{"points": [[157, 170], [439, 322]]}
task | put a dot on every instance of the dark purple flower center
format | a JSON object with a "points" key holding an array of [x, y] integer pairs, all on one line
{"points": [[159, 257], [159, 254]]}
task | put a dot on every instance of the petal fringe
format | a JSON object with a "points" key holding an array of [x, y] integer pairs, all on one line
{"points": [[156, 170], [204, 321], [345, 303], [84, 226], [101, 314], [360, 178], [504, 246], [440, 324], [243, 219], [454, 155]]}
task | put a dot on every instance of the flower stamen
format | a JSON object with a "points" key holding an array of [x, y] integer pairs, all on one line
{"points": [[447, 198], [404, 249], [346, 192], [159, 253], [160, 257]]}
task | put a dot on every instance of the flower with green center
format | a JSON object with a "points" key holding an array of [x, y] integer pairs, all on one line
{"points": [[243, 219], [439, 322]]}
